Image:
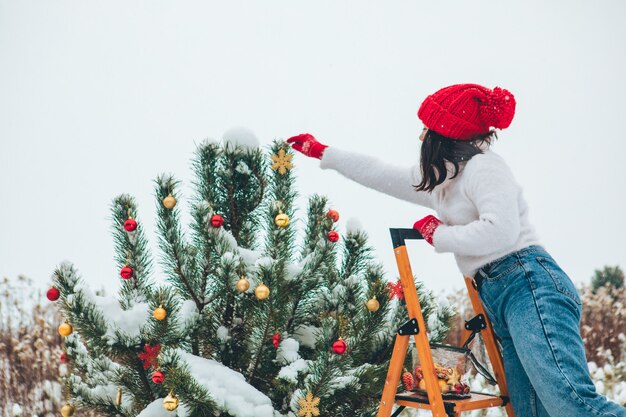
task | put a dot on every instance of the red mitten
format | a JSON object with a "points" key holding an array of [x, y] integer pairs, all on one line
{"points": [[427, 227], [308, 145]]}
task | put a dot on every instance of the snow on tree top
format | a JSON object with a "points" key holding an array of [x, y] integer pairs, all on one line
{"points": [[353, 225], [241, 136]]}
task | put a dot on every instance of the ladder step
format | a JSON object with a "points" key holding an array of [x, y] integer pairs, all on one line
{"points": [[477, 401]]}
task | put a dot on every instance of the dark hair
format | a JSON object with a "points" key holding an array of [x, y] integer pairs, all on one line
{"points": [[437, 149]]}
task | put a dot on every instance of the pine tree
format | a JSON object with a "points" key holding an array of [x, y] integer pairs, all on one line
{"points": [[611, 275], [223, 348]]}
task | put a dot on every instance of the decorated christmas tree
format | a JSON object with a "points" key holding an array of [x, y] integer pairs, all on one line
{"points": [[256, 318]]}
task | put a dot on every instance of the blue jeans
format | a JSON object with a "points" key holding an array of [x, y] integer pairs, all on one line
{"points": [[535, 311]]}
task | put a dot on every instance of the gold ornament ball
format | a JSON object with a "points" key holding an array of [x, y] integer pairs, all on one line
{"points": [[159, 313], [169, 202], [170, 403], [262, 292], [281, 220], [67, 410], [243, 284], [65, 329], [373, 305]]}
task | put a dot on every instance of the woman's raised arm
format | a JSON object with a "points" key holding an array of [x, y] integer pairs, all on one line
{"points": [[390, 179]]}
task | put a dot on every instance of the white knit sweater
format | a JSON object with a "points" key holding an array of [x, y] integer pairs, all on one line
{"points": [[484, 213]]}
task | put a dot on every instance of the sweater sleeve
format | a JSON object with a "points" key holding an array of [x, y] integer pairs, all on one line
{"points": [[384, 177], [494, 192]]}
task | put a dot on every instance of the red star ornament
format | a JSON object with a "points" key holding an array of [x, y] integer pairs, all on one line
{"points": [[149, 355], [395, 290]]}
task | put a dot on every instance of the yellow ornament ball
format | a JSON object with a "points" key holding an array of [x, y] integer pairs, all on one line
{"points": [[169, 202], [159, 313], [243, 284], [373, 305], [65, 329], [67, 410], [170, 403], [281, 220], [262, 292]]}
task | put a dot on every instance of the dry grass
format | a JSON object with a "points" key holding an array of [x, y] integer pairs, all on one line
{"points": [[29, 351]]}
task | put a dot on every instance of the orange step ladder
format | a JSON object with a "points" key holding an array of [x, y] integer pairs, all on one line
{"points": [[416, 327]]}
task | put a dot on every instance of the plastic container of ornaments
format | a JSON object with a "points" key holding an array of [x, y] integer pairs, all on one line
{"points": [[451, 370]]}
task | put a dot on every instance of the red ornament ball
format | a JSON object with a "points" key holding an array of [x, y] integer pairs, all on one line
{"points": [[63, 358], [340, 347], [126, 272], [130, 224], [158, 377], [53, 294], [334, 215], [217, 220], [333, 236], [276, 339]]}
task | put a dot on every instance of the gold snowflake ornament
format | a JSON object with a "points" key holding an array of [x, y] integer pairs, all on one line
{"points": [[282, 162], [308, 406]]}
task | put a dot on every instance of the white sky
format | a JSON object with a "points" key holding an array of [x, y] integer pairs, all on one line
{"points": [[97, 98]]}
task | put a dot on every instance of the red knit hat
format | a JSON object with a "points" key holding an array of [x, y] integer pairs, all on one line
{"points": [[464, 111]]}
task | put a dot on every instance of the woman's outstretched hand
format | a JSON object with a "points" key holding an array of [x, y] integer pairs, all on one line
{"points": [[308, 145], [427, 227]]}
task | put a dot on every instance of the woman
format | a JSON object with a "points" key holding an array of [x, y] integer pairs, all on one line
{"points": [[483, 219]]}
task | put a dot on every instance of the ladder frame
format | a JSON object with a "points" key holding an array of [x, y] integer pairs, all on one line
{"points": [[435, 402]]}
